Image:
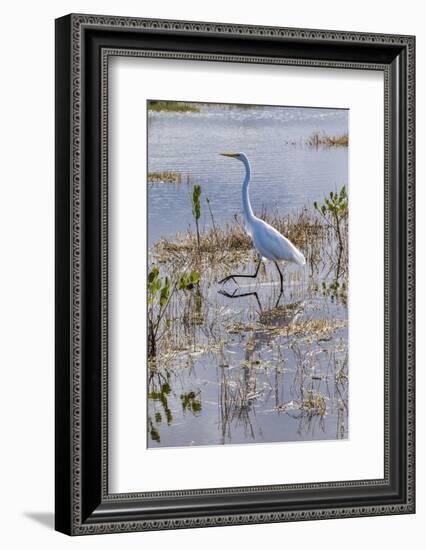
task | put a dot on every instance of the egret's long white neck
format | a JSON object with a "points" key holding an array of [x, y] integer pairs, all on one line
{"points": [[248, 212]]}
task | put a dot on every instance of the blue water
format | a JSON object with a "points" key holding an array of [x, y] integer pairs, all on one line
{"points": [[286, 174], [223, 386]]}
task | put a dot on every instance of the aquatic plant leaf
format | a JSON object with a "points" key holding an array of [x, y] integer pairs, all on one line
{"points": [[196, 206], [155, 436], [153, 274], [169, 416], [165, 388], [195, 277], [183, 282], [165, 292], [154, 287], [154, 395], [196, 406], [188, 280]]}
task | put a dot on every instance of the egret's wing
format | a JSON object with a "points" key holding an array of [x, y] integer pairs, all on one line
{"points": [[275, 246]]}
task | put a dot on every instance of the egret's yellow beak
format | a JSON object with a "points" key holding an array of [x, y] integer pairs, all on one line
{"points": [[229, 154]]}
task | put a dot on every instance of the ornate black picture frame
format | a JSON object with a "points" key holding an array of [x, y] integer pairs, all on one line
{"points": [[84, 43]]}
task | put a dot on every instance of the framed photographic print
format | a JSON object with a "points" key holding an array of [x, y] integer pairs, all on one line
{"points": [[234, 274]]}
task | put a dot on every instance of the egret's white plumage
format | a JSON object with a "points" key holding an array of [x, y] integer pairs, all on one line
{"points": [[269, 242], [271, 245]]}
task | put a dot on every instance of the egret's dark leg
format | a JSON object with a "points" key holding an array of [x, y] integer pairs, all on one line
{"points": [[233, 277], [279, 298], [281, 276], [235, 295]]}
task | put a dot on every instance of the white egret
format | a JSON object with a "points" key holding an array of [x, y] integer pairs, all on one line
{"points": [[269, 242]]}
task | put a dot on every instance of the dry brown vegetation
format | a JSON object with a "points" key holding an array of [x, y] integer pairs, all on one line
{"points": [[231, 243], [320, 139], [169, 176], [313, 404], [164, 177], [317, 139], [173, 106], [316, 329]]}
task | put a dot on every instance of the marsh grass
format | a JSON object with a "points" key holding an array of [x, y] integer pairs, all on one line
{"points": [[173, 106], [231, 245], [317, 139], [316, 329], [313, 404], [190, 328], [236, 396], [317, 381], [179, 106], [321, 139], [319, 386], [170, 177], [195, 325], [164, 177], [287, 358]]}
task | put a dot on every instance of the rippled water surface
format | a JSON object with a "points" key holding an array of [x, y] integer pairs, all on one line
{"points": [[240, 366], [285, 175]]}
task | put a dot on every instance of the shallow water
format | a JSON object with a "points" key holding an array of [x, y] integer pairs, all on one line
{"points": [[243, 381], [238, 368]]}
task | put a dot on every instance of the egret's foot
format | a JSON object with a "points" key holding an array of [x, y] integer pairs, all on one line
{"points": [[226, 279], [279, 298], [229, 294], [240, 276], [241, 295]]}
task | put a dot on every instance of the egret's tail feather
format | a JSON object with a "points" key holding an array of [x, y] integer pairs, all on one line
{"points": [[300, 258]]}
